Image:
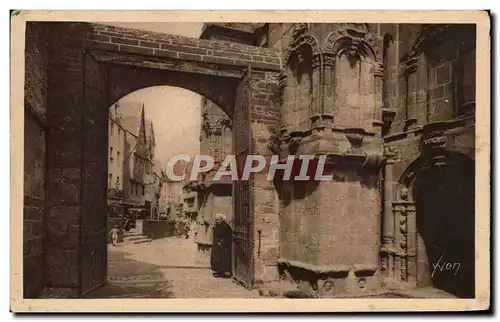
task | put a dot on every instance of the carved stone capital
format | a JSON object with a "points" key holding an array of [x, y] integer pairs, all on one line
{"points": [[355, 136], [205, 123], [316, 61], [328, 59], [403, 207], [224, 122], [298, 30], [434, 141], [390, 152], [323, 119]]}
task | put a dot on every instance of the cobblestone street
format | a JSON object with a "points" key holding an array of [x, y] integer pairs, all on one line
{"points": [[164, 268]]}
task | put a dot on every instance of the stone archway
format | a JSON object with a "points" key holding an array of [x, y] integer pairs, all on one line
{"points": [[89, 67], [444, 200], [436, 217]]}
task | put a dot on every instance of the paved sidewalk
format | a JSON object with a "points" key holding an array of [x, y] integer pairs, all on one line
{"points": [[164, 268]]}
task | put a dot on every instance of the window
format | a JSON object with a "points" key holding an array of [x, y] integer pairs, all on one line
{"points": [[111, 154], [118, 157], [118, 181], [110, 179], [142, 190]]}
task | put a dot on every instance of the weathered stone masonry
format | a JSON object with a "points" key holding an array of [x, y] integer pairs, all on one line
{"points": [[390, 106], [88, 67], [34, 156]]}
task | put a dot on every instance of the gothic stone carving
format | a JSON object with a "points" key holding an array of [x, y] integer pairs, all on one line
{"points": [[355, 136], [300, 37], [434, 142], [316, 61], [402, 210], [328, 59], [205, 123], [224, 122], [354, 40], [274, 144], [390, 152]]}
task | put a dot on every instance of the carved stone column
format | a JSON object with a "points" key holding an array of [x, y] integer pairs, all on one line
{"points": [[377, 113], [404, 256], [287, 97], [422, 90], [411, 92], [317, 87], [322, 113], [387, 250]]}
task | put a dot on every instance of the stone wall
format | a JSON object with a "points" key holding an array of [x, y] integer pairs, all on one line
{"points": [[64, 158], [34, 158], [265, 118], [350, 91], [34, 206], [431, 136], [139, 42]]}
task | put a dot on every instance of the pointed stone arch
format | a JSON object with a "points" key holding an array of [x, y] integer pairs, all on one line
{"points": [[300, 38], [353, 44], [300, 82], [348, 51], [433, 219]]}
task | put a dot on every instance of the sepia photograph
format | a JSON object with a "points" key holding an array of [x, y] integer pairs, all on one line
{"points": [[254, 160]]}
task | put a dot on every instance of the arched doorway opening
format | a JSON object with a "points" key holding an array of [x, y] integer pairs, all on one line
{"points": [[104, 85], [146, 129], [89, 72], [444, 200]]}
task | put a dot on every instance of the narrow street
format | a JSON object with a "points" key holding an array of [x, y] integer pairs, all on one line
{"points": [[164, 268]]}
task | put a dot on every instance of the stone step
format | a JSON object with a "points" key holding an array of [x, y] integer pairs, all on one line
{"points": [[142, 241], [135, 237]]}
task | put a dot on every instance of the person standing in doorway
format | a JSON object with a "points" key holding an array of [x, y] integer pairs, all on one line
{"points": [[220, 259]]}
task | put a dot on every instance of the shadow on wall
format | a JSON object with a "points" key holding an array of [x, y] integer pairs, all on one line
{"points": [[445, 221]]}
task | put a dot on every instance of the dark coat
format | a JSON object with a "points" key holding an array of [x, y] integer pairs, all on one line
{"points": [[220, 259]]}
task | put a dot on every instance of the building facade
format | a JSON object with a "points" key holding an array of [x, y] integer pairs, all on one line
{"points": [[157, 187], [205, 198], [151, 178], [392, 108], [139, 182], [116, 155], [172, 194]]}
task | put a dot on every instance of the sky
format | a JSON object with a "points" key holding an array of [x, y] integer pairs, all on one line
{"points": [[175, 112]]}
